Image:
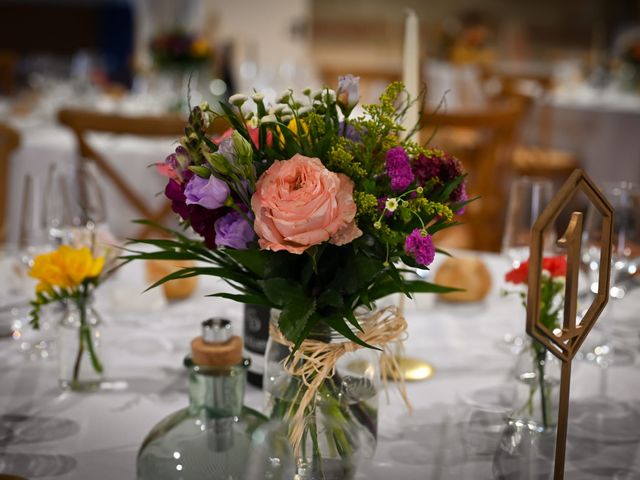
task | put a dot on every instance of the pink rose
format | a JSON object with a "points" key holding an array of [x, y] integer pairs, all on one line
{"points": [[299, 203]]}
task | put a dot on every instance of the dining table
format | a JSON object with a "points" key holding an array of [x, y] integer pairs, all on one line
{"points": [[455, 428]]}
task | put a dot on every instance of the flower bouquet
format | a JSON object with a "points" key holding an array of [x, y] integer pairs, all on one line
{"points": [[538, 372], [180, 50], [70, 275], [316, 212]]}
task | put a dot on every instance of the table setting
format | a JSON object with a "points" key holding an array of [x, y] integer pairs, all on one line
{"points": [[384, 356]]}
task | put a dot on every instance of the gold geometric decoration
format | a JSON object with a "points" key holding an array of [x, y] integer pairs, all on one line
{"points": [[564, 343]]}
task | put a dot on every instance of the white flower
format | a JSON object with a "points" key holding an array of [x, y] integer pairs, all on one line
{"points": [[286, 118], [348, 92], [238, 99], [279, 108], [304, 110], [248, 116], [317, 93], [257, 97], [391, 204], [284, 96], [268, 119]]}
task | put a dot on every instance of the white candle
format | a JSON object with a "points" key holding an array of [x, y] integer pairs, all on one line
{"points": [[411, 68]]}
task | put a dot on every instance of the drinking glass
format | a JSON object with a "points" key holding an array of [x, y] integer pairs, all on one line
{"points": [[625, 200], [73, 200], [31, 241], [527, 199]]}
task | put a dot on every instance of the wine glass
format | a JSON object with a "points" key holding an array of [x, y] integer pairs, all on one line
{"points": [[31, 241], [73, 200], [625, 200], [528, 197]]}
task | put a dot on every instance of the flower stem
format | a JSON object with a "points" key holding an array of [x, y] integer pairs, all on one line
{"points": [[540, 356]]}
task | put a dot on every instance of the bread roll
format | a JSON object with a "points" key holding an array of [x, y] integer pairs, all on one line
{"points": [[175, 289], [468, 273]]}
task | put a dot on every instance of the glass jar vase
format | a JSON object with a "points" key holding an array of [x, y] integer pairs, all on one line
{"points": [[537, 375], [79, 346], [339, 424]]}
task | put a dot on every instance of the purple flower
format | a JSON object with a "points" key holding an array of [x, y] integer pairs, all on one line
{"points": [[226, 149], [425, 167], [175, 193], [399, 169], [210, 193], [203, 222], [233, 231], [348, 92], [459, 195], [420, 245], [350, 132]]}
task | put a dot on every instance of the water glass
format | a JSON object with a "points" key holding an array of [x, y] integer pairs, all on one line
{"points": [[528, 197]]}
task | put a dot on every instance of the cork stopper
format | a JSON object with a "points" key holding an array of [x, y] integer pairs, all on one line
{"points": [[216, 347]]}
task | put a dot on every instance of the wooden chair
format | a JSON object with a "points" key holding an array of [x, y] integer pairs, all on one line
{"points": [[83, 122], [486, 161], [9, 141], [538, 159]]}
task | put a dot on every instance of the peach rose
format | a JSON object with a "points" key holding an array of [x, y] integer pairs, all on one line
{"points": [[299, 203]]}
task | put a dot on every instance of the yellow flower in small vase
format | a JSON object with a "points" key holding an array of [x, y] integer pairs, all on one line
{"points": [[69, 275]]}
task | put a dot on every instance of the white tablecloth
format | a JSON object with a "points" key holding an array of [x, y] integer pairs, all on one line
{"points": [[69, 436]]}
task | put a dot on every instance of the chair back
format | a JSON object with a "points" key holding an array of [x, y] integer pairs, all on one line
{"points": [[486, 159], [9, 141], [84, 122]]}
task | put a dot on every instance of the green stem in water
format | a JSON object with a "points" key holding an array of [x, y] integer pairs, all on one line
{"points": [[543, 401]]}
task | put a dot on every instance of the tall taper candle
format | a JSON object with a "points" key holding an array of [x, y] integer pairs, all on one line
{"points": [[411, 68]]}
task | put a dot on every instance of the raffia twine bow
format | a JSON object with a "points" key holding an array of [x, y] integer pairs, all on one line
{"points": [[315, 361]]}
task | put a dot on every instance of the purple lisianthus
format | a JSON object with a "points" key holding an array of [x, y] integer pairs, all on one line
{"points": [[349, 132], [399, 169], [209, 192], [226, 149], [420, 245], [348, 92], [233, 231]]}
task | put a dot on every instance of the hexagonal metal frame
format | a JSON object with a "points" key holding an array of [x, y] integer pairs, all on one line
{"points": [[567, 344]]}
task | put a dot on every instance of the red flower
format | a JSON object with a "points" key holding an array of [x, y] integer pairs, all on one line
{"points": [[254, 133], [556, 266]]}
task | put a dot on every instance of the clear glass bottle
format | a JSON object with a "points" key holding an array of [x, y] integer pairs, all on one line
{"points": [[212, 437], [79, 347]]}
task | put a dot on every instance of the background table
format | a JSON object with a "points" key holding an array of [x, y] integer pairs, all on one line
{"points": [[65, 435]]}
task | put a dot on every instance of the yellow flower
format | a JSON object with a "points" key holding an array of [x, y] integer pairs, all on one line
{"points": [[66, 268], [200, 48], [293, 127]]}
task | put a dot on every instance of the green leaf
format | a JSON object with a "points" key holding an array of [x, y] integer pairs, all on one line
{"points": [[253, 260], [331, 298], [294, 317], [281, 291], [243, 298], [340, 325]]}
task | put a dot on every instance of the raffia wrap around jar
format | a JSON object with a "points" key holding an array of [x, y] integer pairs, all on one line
{"points": [[315, 361]]}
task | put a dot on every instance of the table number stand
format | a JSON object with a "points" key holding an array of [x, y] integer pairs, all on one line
{"points": [[564, 343]]}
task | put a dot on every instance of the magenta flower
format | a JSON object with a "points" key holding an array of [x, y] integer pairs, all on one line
{"points": [[399, 169], [420, 245], [233, 231], [209, 193]]}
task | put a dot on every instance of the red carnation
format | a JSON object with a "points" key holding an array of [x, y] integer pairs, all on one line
{"points": [[556, 266]]}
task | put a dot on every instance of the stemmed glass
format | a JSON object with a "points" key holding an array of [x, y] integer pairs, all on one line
{"points": [[72, 201], [528, 197], [625, 199]]}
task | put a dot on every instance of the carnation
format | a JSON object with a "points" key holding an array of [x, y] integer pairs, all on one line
{"points": [[399, 169], [419, 245]]}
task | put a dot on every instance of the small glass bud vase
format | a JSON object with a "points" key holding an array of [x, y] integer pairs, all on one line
{"points": [[79, 346], [537, 373]]}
